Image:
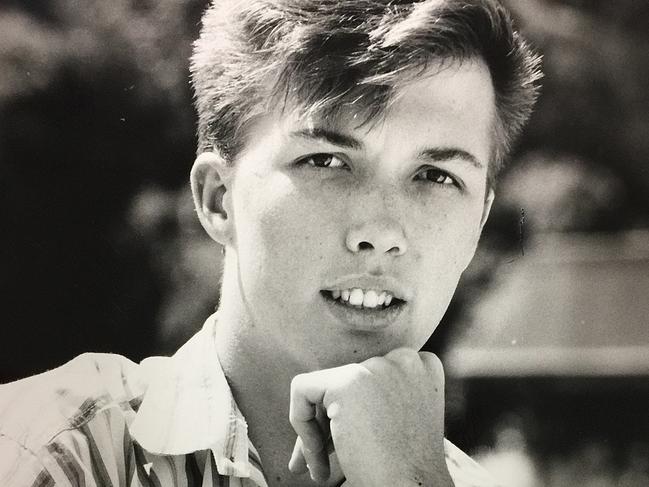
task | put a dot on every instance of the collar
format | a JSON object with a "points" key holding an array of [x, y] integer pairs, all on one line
{"points": [[188, 406]]}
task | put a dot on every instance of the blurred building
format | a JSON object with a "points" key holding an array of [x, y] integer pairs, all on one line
{"points": [[573, 305], [559, 351]]}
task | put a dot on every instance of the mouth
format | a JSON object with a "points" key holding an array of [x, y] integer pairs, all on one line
{"points": [[363, 299], [364, 310]]}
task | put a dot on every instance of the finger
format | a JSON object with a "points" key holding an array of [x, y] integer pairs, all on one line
{"points": [[337, 477], [434, 365], [317, 462], [307, 393], [406, 359], [324, 422], [297, 463]]}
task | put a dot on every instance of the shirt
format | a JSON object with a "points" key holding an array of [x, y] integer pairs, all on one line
{"points": [[102, 420]]}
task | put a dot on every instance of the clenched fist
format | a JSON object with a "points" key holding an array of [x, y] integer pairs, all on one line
{"points": [[384, 416]]}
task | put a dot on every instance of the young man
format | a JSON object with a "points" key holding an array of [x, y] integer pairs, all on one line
{"points": [[347, 154]]}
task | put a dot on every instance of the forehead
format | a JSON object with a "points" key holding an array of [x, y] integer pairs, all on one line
{"points": [[447, 103], [452, 101]]}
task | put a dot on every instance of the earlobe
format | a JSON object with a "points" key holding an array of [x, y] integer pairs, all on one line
{"points": [[209, 181]]}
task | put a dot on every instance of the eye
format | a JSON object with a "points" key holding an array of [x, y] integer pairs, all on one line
{"points": [[437, 176], [323, 161]]}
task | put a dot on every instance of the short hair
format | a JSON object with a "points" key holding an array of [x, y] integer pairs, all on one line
{"points": [[331, 55]]}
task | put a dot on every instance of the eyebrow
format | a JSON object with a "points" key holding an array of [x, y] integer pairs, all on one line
{"points": [[449, 153], [330, 136], [432, 154]]}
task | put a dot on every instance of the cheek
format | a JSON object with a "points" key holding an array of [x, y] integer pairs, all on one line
{"points": [[280, 234], [443, 250], [443, 244], [260, 216]]}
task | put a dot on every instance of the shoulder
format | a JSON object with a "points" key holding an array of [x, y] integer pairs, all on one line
{"points": [[35, 410]]}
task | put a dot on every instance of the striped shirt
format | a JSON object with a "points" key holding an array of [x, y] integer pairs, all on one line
{"points": [[102, 420]]}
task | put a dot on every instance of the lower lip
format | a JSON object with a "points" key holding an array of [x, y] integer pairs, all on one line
{"points": [[363, 319]]}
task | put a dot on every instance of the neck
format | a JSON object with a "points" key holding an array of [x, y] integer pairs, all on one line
{"points": [[259, 378]]}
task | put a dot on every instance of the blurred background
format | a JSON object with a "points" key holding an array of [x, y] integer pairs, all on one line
{"points": [[546, 345]]}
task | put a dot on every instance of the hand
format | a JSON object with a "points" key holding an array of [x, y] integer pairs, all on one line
{"points": [[384, 416]]}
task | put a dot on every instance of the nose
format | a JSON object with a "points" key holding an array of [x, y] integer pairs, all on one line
{"points": [[380, 237]]}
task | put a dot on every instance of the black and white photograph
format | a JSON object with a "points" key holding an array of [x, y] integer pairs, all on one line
{"points": [[336, 243]]}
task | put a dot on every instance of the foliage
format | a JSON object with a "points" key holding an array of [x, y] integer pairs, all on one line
{"points": [[94, 105]]}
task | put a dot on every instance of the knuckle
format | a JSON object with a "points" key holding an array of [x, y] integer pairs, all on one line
{"points": [[398, 353], [405, 357], [296, 383], [292, 417], [433, 364], [312, 445], [373, 363], [354, 377]]}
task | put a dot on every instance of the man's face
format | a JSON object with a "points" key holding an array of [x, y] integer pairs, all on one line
{"points": [[328, 221]]}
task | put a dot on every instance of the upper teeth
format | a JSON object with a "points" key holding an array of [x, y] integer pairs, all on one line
{"points": [[369, 298]]}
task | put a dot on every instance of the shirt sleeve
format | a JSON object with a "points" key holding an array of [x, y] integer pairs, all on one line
{"points": [[19, 467]]}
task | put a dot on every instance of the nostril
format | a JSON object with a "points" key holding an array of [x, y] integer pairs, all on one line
{"points": [[365, 246]]}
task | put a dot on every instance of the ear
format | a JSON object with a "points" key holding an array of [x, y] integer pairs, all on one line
{"points": [[487, 207], [210, 181]]}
